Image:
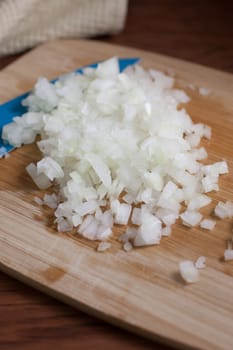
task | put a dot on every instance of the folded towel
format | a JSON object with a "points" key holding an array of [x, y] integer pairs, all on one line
{"points": [[26, 23]]}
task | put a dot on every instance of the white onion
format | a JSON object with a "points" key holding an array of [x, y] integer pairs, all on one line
{"points": [[129, 234], [107, 218], [127, 246], [200, 262], [103, 232], [63, 225], [209, 183], [76, 220], [85, 208], [208, 224], [228, 254], [63, 210], [191, 218], [50, 168], [51, 200], [204, 91], [199, 201], [122, 214], [188, 271], [224, 210], [119, 148], [167, 216], [103, 246], [215, 169], [91, 229], [100, 168], [199, 153], [86, 222], [166, 231], [38, 201], [41, 180], [128, 198], [149, 232], [136, 216]]}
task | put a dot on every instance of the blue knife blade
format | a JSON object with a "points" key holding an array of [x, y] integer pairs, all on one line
{"points": [[13, 108]]}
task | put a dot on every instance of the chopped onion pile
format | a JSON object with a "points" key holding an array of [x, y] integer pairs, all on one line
{"points": [[122, 150]]}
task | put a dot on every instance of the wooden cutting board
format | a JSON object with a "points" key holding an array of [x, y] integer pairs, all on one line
{"points": [[140, 290]]}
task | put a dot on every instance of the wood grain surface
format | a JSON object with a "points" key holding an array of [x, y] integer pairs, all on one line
{"points": [[140, 290], [199, 31]]}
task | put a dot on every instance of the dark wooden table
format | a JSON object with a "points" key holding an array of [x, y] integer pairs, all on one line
{"points": [[196, 30]]}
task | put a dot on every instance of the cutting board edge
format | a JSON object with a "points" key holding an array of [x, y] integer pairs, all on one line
{"points": [[133, 48], [71, 41], [51, 292], [52, 43]]}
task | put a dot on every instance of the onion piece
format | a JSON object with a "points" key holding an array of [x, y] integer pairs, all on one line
{"points": [[190, 218], [38, 201], [129, 234], [40, 180], [122, 213], [200, 262], [63, 225], [51, 200], [224, 210], [103, 246], [188, 271], [166, 231], [228, 254], [149, 232], [50, 168], [208, 224], [204, 91], [127, 246]]}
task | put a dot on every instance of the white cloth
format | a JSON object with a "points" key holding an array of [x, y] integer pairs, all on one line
{"points": [[25, 23]]}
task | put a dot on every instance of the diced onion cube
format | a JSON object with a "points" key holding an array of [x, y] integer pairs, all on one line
{"points": [[188, 271]]}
